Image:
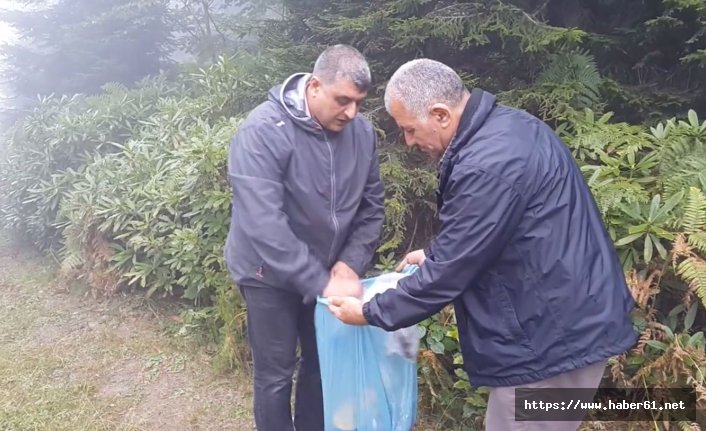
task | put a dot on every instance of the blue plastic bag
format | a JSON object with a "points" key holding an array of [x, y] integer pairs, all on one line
{"points": [[369, 375]]}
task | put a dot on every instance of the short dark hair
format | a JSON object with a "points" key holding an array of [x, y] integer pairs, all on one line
{"points": [[343, 61]]}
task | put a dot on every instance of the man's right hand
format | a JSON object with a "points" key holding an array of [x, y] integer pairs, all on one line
{"points": [[343, 287], [342, 270], [416, 257]]}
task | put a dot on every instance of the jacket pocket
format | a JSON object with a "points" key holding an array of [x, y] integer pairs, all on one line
{"points": [[492, 337], [245, 266], [509, 317]]}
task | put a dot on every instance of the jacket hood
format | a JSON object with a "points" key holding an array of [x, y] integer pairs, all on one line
{"points": [[290, 96]]}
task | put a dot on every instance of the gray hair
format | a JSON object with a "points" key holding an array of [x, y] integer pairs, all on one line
{"points": [[420, 83], [343, 61]]}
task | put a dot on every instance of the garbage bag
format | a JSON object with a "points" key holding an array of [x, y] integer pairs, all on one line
{"points": [[368, 375]]}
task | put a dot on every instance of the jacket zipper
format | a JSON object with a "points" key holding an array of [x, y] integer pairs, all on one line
{"points": [[333, 199]]}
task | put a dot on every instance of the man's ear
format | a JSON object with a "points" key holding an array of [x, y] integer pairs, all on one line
{"points": [[441, 113], [314, 82]]}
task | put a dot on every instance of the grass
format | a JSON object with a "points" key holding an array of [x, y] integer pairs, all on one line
{"points": [[70, 362]]}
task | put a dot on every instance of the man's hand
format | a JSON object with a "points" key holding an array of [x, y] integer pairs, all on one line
{"points": [[342, 270], [347, 310], [416, 257], [343, 287]]}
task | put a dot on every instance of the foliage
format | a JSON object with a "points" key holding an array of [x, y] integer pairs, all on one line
{"points": [[569, 83], [650, 51], [207, 29], [62, 133], [407, 191], [164, 208], [660, 237]]}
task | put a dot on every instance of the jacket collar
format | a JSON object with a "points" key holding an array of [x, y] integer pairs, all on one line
{"points": [[476, 111]]}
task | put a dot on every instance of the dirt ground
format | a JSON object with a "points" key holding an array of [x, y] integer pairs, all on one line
{"points": [[71, 362]]}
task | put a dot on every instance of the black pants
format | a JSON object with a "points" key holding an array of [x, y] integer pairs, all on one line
{"points": [[277, 320]]}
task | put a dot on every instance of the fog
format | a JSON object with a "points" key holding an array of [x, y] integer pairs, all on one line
{"points": [[64, 47]]}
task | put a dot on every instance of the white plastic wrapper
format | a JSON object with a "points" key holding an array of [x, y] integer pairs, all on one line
{"points": [[405, 341]]}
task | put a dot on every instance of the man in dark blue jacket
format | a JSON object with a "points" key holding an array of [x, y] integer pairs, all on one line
{"points": [[522, 253], [307, 209]]}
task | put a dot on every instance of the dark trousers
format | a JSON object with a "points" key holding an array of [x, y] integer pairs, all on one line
{"points": [[277, 320]]}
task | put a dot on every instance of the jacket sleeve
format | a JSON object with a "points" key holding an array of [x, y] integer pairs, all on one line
{"points": [[366, 229], [478, 218], [256, 167]]}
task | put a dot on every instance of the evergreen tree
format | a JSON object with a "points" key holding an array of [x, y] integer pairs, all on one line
{"points": [[76, 46]]}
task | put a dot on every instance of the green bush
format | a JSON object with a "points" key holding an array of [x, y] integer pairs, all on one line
{"points": [[61, 134]]}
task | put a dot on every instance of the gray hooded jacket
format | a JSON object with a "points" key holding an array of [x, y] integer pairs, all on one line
{"points": [[303, 197]]}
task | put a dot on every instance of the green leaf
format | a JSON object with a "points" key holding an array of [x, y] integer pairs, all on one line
{"points": [[657, 345], [660, 248], [453, 333], [449, 344], [637, 360], [640, 228], [690, 316], [461, 373], [693, 118], [676, 310], [436, 334], [632, 212], [628, 239], [697, 340], [462, 385], [476, 400], [669, 205], [648, 248], [663, 233], [654, 206], [436, 347]]}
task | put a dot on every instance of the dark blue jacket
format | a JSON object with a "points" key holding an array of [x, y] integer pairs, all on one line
{"points": [[522, 253]]}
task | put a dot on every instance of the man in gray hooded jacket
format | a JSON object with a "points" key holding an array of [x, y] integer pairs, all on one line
{"points": [[307, 209]]}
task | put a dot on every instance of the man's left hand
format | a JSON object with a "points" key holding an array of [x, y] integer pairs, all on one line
{"points": [[342, 270], [343, 287], [347, 309]]}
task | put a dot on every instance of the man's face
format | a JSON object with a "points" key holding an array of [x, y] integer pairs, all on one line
{"points": [[424, 134], [336, 103]]}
